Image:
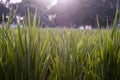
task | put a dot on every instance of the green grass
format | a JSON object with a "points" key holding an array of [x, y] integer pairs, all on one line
{"points": [[32, 53]]}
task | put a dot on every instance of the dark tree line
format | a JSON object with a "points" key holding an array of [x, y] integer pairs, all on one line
{"points": [[68, 12]]}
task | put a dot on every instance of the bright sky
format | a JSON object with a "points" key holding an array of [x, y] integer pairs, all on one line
{"points": [[13, 1], [53, 2]]}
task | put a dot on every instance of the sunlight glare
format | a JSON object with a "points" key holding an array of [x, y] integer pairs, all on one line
{"points": [[53, 2]]}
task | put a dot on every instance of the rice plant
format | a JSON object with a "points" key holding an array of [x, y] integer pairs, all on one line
{"points": [[32, 53]]}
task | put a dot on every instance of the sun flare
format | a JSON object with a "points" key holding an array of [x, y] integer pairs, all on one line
{"points": [[53, 2]]}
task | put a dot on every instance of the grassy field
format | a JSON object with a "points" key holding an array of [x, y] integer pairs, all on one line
{"points": [[32, 53]]}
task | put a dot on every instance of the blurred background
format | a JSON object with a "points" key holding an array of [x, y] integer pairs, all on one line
{"points": [[54, 13]]}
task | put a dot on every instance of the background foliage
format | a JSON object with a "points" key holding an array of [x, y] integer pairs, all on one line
{"points": [[68, 12]]}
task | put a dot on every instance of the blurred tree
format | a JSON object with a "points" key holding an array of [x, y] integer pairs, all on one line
{"points": [[106, 10], [68, 12], [40, 5], [83, 12], [3, 12]]}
